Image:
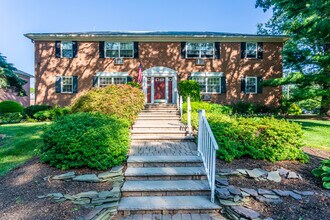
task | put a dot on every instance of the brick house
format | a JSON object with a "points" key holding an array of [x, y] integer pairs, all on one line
{"points": [[9, 94], [228, 67]]}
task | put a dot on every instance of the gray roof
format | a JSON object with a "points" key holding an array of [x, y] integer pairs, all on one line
{"points": [[20, 72], [148, 34]]}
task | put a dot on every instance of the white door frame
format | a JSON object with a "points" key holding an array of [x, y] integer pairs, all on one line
{"points": [[160, 71]]}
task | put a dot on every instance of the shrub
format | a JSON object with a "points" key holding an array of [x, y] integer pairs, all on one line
{"points": [[189, 88], [294, 109], [9, 118], [248, 108], [134, 84], [52, 114], [9, 106], [208, 107], [122, 101], [88, 140], [323, 172], [32, 109]]}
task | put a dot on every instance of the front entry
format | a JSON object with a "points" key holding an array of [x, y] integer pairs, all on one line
{"points": [[159, 85]]}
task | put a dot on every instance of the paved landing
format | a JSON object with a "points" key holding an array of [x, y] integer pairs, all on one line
{"points": [[215, 216]]}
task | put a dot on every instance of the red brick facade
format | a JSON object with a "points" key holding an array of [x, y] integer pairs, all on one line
{"points": [[153, 54]]}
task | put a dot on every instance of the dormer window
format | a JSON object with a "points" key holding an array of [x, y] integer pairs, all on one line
{"points": [[117, 49], [200, 50]]}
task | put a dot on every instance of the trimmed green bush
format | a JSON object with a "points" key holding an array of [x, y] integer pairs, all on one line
{"points": [[88, 140], [323, 172], [134, 84], [208, 107], [32, 109], [189, 88], [51, 114], [9, 106], [248, 108], [294, 109], [122, 101], [10, 118]]}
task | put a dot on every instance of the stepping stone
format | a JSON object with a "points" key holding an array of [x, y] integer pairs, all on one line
{"points": [[237, 198], [283, 172], [87, 178], [64, 176], [245, 212], [292, 175], [116, 169], [251, 192], [223, 193], [255, 173], [271, 196], [304, 193], [55, 195], [282, 192], [295, 196], [268, 200], [265, 191], [274, 176], [227, 202], [244, 194], [234, 190], [228, 172], [242, 171], [221, 181], [107, 175], [89, 194]]}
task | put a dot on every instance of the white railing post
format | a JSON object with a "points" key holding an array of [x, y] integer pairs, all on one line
{"points": [[177, 101], [181, 103], [207, 148], [189, 116]]}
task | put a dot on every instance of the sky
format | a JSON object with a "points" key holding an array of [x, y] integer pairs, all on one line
{"points": [[18, 17]]}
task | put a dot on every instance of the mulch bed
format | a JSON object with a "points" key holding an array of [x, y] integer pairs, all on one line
{"points": [[310, 207], [20, 187]]}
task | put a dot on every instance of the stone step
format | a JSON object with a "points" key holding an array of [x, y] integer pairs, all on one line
{"points": [[174, 110], [159, 116], [164, 161], [157, 133], [166, 188], [165, 173], [166, 205], [156, 120], [162, 138], [159, 127]]}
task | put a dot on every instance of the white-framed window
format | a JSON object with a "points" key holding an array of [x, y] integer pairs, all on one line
{"points": [[118, 49], [67, 84], [199, 50], [67, 49], [107, 80], [208, 82], [251, 85], [251, 50]]}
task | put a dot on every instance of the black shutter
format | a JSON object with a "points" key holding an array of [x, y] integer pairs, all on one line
{"points": [[243, 84], [75, 49], [243, 50], [189, 78], [223, 84], [101, 49], [129, 79], [58, 49], [217, 50], [183, 50], [95, 81], [136, 50], [259, 86], [260, 50], [58, 84], [75, 84]]}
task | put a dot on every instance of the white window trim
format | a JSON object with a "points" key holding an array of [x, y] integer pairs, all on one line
{"points": [[62, 48], [256, 56], [208, 75], [63, 77], [112, 80], [119, 55], [200, 54], [256, 84]]}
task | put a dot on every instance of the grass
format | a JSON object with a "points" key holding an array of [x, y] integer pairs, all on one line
{"points": [[19, 144], [317, 133]]}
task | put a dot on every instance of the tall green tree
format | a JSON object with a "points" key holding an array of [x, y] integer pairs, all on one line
{"points": [[307, 53], [9, 79]]}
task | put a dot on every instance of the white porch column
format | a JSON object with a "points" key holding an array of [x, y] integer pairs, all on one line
{"points": [[166, 89], [145, 88], [174, 89], [152, 90]]}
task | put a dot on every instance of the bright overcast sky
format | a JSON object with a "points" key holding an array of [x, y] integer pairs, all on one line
{"points": [[18, 17]]}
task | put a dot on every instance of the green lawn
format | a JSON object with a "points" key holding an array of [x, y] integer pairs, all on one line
{"points": [[317, 133], [19, 144]]}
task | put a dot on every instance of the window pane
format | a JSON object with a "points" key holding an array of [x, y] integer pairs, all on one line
{"points": [[126, 53], [213, 85], [251, 85], [104, 81], [112, 53], [67, 84], [119, 80], [251, 50], [112, 46], [126, 46], [67, 49], [192, 50], [66, 45], [67, 53], [201, 82]]}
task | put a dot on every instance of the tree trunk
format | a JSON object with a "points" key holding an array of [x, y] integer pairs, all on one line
{"points": [[325, 102]]}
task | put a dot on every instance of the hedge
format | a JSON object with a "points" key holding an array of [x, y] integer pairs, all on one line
{"points": [[88, 140], [32, 109], [9, 106], [122, 101], [189, 88]]}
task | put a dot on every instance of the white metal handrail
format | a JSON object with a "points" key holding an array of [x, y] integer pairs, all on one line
{"points": [[207, 148]]}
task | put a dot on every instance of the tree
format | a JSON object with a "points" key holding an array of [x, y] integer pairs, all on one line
{"points": [[307, 52], [9, 79]]}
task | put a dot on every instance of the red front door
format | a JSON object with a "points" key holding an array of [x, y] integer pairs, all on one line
{"points": [[159, 83]]}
